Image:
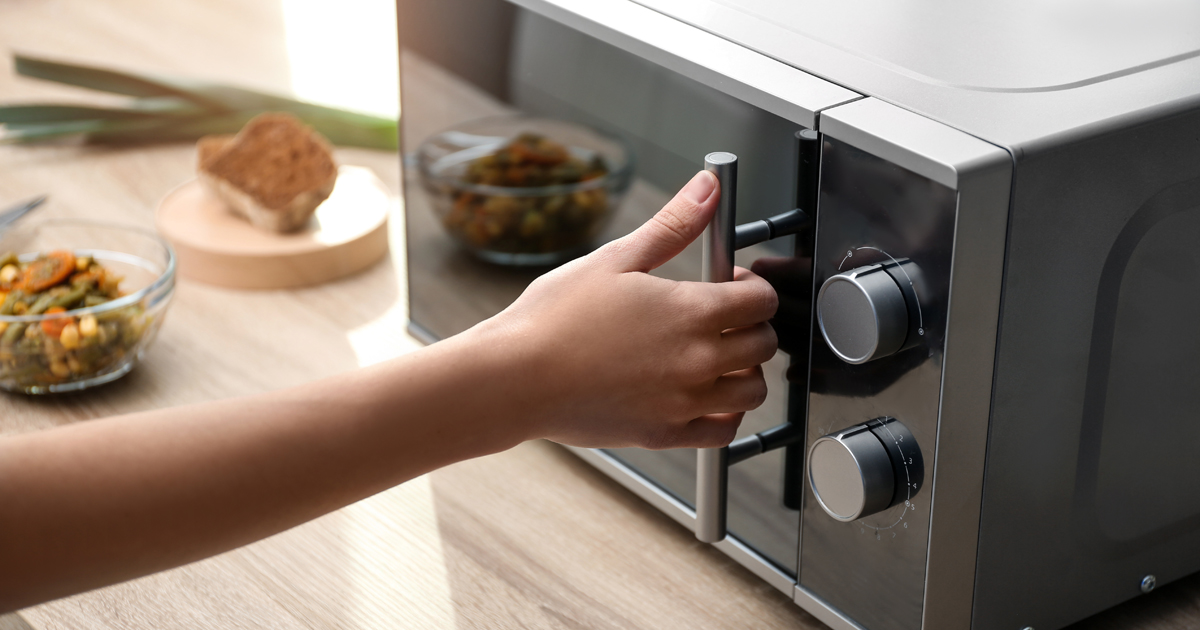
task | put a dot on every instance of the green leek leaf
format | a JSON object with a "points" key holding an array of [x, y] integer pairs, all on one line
{"points": [[167, 110]]}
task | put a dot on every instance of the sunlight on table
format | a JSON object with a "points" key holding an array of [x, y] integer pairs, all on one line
{"points": [[397, 563], [345, 55]]}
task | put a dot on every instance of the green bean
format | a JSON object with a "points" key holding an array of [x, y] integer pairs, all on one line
{"points": [[118, 315], [68, 299], [9, 302], [40, 305], [14, 332]]}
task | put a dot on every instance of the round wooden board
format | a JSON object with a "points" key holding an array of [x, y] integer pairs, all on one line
{"points": [[348, 233]]}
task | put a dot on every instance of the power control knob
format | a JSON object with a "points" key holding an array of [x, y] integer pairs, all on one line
{"points": [[863, 313], [865, 469]]}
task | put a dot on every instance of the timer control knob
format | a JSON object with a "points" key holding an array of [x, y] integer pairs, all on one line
{"points": [[863, 314], [865, 469]]}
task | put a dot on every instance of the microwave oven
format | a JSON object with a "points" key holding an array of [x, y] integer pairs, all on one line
{"points": [[982, 414]]}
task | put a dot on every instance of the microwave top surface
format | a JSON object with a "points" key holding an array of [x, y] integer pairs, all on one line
{"points": [[1018, 45], [1020, 74]]}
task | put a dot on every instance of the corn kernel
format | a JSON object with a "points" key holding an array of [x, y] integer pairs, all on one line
{"points": [[9, 273], [31, 331], [82, 263], [60, 369], [19, 308], [88, 326], [69, 337], [74, 364]]}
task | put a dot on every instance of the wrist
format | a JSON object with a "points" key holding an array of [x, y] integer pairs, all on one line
{"points": [[499, 368]]}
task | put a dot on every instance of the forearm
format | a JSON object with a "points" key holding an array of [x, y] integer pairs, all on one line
{"points": [[596, 353], [109, 500]]}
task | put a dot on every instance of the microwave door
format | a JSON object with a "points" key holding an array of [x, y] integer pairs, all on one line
{"points": [[671, 121]]}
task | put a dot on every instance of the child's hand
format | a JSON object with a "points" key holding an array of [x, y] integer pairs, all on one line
{"points": [[622, 358]]}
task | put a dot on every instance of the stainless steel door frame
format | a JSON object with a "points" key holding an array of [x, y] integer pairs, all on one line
{"points": [[763, 82]]}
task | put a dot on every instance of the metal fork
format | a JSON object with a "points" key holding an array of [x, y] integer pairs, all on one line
{"points": [[10, 215]]}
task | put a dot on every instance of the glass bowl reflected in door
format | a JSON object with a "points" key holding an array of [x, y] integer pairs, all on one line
{"points": [[520, 190]]}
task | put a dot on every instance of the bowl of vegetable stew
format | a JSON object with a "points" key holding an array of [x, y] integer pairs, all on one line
{"points": [[520, 190], [81, 302]]}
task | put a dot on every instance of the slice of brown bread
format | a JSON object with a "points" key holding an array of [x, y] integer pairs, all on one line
{"points": [[274, 172], [208, 147]]}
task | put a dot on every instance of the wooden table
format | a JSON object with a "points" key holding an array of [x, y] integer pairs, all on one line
{"points": [[529, 538]]}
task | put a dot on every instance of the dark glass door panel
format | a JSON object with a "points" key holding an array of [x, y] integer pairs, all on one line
{"points": [[671, 122], [756, 514]]}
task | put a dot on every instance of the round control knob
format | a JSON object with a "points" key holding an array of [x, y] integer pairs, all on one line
{"points": [[865, 469], [862, 314]]}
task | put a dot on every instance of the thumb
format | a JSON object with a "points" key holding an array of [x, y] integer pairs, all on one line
{"points": [[674, 227]]}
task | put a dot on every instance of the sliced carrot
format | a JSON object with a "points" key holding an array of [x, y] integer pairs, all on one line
{"points": [[47, 271], [54, 327]]}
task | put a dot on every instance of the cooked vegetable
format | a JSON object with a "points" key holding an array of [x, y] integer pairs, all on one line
{"points": [[88, 325], [530, 223], [64, 347], [47, 271], [69, 336], [54, 327]]}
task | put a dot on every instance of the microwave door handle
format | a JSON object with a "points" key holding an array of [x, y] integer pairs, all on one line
{"points": [[721, 239], [712, 464]]}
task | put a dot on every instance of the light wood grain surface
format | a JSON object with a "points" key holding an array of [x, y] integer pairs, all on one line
{"points": [[529, 538]]}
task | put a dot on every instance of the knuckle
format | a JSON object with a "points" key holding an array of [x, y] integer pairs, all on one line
{"points": [[689, 304], [758, 393], [720, 436], [701, 362], [770, 299], [726, 436], [769, 343], [709, 310], [613, 250], [654, 441], [662, 438], [669, 219], [765, 299]]}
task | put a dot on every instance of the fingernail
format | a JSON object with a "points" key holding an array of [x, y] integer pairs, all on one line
{"points": [[700, 187]]}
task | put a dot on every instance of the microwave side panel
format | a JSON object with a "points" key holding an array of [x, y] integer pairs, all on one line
{"points": [[897, 186], [1093, 482]]}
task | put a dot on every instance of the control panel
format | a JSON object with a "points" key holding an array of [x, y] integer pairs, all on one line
{"points": [[881, 269]]}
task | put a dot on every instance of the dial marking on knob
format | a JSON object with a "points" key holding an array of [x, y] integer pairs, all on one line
{"points": [[920, 315], [908, 485], [849, 475]]}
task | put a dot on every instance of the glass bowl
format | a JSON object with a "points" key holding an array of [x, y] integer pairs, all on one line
{"points": [[111, 337], [524, 225]]}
